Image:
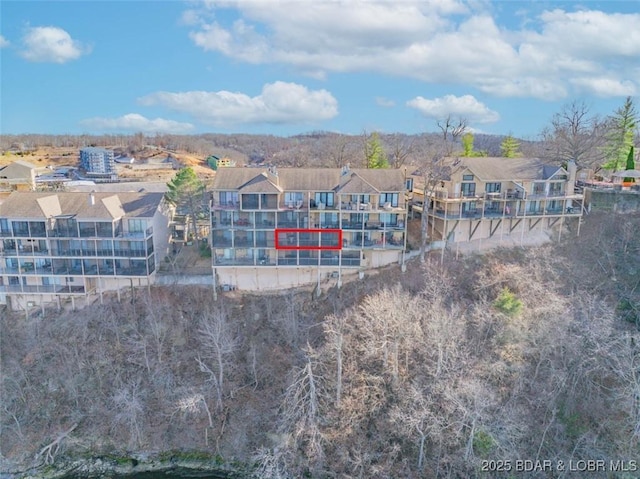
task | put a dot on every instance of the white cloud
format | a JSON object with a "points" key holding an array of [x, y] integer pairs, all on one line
{"points": [[278, 103], [51, 44], [465, 106], [3, 42], [133, 122], [385, 102], [436, 42], [605, 87]]}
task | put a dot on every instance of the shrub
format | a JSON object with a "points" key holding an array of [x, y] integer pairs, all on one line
{"points": [[508, 303], [482, 443]]}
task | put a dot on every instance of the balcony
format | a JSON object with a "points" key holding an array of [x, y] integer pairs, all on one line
{"points": [[221, 242], [322, 206], [229, 205], [24, 251], [130, 253], [42, 289], [265, 243], [57, 233], [294, 205], [131, 271]]}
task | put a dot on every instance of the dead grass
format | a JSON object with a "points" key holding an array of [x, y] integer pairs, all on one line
{"points": [[58, 156]]}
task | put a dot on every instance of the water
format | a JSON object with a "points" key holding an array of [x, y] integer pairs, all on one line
{"points": [[177, 473]]}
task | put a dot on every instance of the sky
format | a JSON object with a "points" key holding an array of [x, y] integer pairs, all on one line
{"points": [[292, 67]]}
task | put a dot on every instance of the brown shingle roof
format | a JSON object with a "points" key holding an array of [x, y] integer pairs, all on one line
{"points": [[105, 206], [260, 184], [313, 179], [501, 169]]}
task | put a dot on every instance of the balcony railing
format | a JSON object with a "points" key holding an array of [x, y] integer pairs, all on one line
{"points": [[41, 289]]}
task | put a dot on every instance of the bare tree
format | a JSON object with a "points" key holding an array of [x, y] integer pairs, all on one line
{"points": [[391, 317], [451, 129], [576, 135], [334, 327], [192, 404], [433, 171], [219, 343], [269, 464], [49, 451], [402, 147], [129, 405], [301, 411]]}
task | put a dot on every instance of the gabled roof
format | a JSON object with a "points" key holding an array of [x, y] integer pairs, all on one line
{"points": [[361, 181], [17, 170], [357, 185], [504, 169], [260, 184], [105, 206]]}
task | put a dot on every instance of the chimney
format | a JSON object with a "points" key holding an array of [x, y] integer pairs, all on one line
{"points": [[92, 198], [272, 171], [572, 169]]}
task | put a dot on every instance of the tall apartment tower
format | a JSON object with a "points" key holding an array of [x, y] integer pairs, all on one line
{"points": [[97, 160]]}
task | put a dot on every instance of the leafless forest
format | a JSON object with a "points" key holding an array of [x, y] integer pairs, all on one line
{"points": [[320, 149], [530, 354]]}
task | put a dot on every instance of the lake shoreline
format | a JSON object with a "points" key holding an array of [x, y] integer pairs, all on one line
{"points": [[192, 464]]}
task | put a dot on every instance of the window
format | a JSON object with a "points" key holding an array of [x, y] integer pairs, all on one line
{"points": [[4, 227], [292, 198], [555, 188], [325, 198], [66, 227], [468, 189], [360, 198], [469, 208], [467, 177], [492, 187], [87, 229], [137, 226], [229, 198], [37, 229], [391, 198], [104, 229], [250, 201], [538, 188], [329, 220], [20, 228], [137, 248], [409, 184], [389, 219]]}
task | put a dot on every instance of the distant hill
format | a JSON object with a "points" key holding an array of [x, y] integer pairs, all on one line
{"points": [[309, 149]]}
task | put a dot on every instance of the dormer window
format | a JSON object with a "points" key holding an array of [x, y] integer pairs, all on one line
{"points": [[467, 177]]}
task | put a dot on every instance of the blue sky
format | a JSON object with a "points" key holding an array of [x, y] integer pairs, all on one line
{"points": [[289, 67]]}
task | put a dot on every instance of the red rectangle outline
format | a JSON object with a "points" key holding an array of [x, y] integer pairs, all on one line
{"points": [[308, 230]]}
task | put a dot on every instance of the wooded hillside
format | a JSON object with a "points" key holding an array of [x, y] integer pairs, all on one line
{"points": [[530, 354]]}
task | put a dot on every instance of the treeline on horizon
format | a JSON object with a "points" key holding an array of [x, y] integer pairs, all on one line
{"points": [[573, 134], [315, 148]]}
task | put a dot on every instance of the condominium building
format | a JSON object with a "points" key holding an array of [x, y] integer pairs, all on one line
{"points": [[65, 246], [97, 161], [274, 228], [513, 199]]}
